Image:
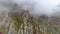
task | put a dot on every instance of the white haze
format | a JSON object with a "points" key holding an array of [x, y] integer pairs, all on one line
{"points": [[38, 7]]}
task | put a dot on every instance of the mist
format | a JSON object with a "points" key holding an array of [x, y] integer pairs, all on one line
{"points": [[39, 7], [35, 7]]}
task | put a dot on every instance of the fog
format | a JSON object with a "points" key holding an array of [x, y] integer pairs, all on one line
{"points": [[36, 7], [40, 7]]}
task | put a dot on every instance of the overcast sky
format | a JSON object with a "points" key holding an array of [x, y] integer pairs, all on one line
{"points": [[41, 6]]}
